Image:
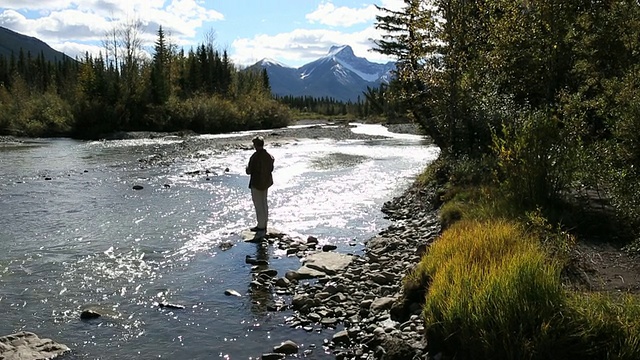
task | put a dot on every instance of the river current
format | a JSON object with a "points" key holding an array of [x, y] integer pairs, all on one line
{"points": [[74, 234]]}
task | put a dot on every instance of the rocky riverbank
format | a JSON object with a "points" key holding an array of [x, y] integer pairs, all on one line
{"points": [[359, 297]]}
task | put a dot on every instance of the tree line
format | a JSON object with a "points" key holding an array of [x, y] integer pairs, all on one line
{"points": [[121, 89], [544, 94]]}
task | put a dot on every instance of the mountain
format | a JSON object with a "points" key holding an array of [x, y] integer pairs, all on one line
{"points": [[340, 74], [12, 42]]}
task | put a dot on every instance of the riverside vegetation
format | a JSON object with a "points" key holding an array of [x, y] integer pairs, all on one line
{"points": [[122, 90], [535, 106]]}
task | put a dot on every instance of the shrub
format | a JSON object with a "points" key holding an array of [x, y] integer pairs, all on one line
{"points": [[536, 159]]}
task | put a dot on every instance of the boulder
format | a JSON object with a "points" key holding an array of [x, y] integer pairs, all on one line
{"points": [[327, 263], [28, 346], [382, 303], [287, 347]]}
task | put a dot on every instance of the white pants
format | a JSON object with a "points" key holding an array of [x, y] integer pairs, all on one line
{"points": [[259, 198]]}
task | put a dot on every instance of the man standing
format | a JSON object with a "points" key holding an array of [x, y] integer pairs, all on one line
{"points": [[260, 168]]}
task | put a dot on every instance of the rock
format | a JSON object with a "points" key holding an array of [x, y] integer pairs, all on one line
{"points": [[312, 240], [329, 247], [258, 236], [292, 275], [273, 356], [231, 292], [382, 303], [327, 262], [89, 314], [341, 337], [138, 187], [287, 347], [249, 260], [283, 282], [308, 273], [171, 306], [269, 273], [28, 346], [329, 321], [225, 245]]}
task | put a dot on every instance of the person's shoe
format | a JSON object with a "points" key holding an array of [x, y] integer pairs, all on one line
{"points": [[256, 228]]}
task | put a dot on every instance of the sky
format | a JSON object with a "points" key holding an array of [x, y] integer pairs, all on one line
{"points": [[292, 32]]}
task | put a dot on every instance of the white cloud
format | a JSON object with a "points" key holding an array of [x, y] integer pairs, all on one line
{"points": [[301, 46], [394, 5], [63, 23], [329, 14], [36, 4]]}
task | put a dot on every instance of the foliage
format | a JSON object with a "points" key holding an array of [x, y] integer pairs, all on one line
{"points": [[122, 91], [549, 88], [535, 158]]}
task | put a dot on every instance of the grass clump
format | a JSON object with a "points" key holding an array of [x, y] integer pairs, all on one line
{"points": [[493, 293]]}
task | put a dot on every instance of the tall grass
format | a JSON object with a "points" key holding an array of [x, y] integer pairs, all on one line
{"points": [[493, 291]]}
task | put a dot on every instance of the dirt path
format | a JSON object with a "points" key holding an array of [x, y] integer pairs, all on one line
{"points": [[600, 261]]}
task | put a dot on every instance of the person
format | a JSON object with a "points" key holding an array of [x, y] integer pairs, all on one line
{"points": [[260, 168]]}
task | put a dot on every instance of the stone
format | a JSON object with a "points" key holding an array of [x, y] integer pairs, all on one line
{"points": [[329, 247], [308, 273], [273, 356], [171, 306], [28, 346], [89, 314], [329, 321], [383, 303], [231, 292], [287, 347], [328, 263], [225, 245], [249, 260], [341, 337], [283, 282], [269, 272], [312, 240], [138, 187]]}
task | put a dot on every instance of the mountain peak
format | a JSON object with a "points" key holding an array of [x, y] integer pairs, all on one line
{"points": [[342, 50], [271, 62]]}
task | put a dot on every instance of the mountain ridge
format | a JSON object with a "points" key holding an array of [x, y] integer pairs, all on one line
{"points": [[340, 74], [11, 42]]}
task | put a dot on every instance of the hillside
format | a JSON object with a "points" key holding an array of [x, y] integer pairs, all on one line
{"points": [[12, 42]]}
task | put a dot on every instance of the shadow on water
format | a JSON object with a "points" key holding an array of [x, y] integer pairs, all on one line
{"points": [[337, 161]]}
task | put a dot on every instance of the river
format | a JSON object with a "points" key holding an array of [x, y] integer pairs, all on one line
{"points": [[75, 235]]}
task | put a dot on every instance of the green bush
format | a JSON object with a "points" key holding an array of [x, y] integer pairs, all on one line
{"points": [[536, 160]]}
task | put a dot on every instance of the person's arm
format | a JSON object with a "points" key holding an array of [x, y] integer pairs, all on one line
{"points": [[248, 168]]}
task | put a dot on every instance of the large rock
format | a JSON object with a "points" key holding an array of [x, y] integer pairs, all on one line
{"points": [[258, 236], [28, 346], [287, 347], [325, 263], [383, 303]]}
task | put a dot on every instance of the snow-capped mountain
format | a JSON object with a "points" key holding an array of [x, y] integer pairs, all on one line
{"points": [[340, 74]]}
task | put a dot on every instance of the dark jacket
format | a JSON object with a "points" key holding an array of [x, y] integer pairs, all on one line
{"points": [[260, 168]]}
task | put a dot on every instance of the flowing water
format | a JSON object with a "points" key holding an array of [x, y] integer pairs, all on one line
{"points": [[75, 235]]}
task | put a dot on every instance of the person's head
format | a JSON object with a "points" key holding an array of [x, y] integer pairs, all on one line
{"points": [[258, 142]]}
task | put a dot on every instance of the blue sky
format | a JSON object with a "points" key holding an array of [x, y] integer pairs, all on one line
{"points": [[292, 32]]}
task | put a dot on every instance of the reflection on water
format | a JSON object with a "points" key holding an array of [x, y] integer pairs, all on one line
{"points": [[75, 235]]}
